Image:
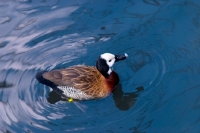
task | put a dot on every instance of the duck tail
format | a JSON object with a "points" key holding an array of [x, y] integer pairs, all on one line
{"points": [[42, 80]]}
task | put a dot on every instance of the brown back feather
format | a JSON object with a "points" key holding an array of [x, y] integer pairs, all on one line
{"points": [[85, 78]]}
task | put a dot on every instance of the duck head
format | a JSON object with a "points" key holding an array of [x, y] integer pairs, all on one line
{"points": [[105, 62]]}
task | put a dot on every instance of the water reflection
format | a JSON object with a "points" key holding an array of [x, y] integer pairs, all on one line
{"points": [[54, 97], [124, 101], [4, 84], [161, 36]]}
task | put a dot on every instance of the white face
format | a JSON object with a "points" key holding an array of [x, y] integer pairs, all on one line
{"points": [[110, 59]]}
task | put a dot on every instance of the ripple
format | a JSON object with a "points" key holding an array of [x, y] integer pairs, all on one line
{"points": [[146, 68], [40, 126], [4, 116], [150, 7], [161, 74], [4, 20], [29, 111], [26, 98], [25, 24]]}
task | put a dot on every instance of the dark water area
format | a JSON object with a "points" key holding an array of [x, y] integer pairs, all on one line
{"points": [[159, 89]]}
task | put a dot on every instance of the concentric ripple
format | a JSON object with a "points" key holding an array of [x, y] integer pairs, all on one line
{"points": [[144, 60], [159, 81]]}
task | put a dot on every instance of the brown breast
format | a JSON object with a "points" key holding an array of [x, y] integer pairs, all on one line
{"points": [[111, 81]]}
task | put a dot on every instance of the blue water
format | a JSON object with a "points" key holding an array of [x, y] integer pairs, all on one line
{"points": [[159, 91]]}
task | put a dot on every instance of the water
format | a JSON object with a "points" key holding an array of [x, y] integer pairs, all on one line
{"points": [[160, 85]]}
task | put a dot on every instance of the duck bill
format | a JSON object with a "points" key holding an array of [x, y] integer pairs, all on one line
{"points": [[121, 57]]}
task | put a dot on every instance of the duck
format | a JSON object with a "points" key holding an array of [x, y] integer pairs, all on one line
{"points": [[83, 82]]}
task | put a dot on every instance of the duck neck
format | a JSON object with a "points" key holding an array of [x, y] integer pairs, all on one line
{"points": [[112, 80], [105, 74], [103, 68]]}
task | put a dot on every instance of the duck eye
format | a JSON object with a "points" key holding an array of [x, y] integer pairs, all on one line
{"points": [[110, 60]]}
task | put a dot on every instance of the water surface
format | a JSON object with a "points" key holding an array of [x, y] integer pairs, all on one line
{"points": [[159, 91]]}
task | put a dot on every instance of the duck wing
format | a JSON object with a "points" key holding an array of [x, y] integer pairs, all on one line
{"points": [[83, 78]]}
